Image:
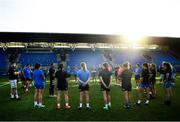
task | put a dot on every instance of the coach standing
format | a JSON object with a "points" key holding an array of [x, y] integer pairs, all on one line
{"points": [[13, 75]]}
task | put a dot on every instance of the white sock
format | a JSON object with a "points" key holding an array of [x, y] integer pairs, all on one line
{"points": [[106, 105], [139, 101], [12, 96], [17, 96], [80, 105], [147, 101], [109, 103], [87, 104], [67, 104], [35, 102], [40, 104]]}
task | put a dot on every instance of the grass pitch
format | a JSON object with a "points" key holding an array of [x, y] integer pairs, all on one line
{"points": [[23, 109]]}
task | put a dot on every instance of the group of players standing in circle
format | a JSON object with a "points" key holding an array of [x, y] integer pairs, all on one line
{"points": [[145, 77]]}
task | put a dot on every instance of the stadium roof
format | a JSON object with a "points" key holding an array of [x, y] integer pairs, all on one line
{"points": [[78, 38]]}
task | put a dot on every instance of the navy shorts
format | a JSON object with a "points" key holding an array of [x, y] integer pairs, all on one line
{"points": [[168, 84], [144, 85], [39, 86], [28, 79], [84, 88]]}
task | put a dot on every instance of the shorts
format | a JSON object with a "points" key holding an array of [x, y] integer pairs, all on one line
{"points": [[84, 88], [62, 88], [28, 79], [137, 77], [39, 86], [168, 84], [126, 87], [104, 88], [144, 85], [13, 83]]}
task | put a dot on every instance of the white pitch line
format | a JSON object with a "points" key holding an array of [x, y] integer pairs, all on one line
{"points": [[4, 84]]}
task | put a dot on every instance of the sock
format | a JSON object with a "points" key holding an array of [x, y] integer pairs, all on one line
{"points": [[58, 104], [12, 96], [87, 104], [147, 101], [109, 103], [35, 102], [67, 104], [106, 105], [139, 101], [80, 105], [17, 96], [40, 104]]}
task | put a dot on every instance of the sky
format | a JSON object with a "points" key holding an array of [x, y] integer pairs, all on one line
{"points": [[122, 17]]}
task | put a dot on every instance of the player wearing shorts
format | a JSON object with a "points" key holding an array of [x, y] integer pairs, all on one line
{"points": [[39, 84], [83, 76], [105, 77], [144, 84], [27, 76], [62, 86], [167, 83], [52, 80], [137, 72], [13, 75], [152, 80], [126, 84]]}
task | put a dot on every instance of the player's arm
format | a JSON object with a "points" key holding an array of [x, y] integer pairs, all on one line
{"points": [[88, 80], [101, 80], [80, 80], [110, 82]]}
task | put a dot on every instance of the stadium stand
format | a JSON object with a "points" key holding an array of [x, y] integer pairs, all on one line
{"points": [[92, 58], [3, 62], [43, 58]]}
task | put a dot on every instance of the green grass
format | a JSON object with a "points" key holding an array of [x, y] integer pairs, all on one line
{"points": [[23, 110]]}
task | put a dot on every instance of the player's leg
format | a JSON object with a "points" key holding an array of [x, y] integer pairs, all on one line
{"points": [[87, 99], [105, 100], [36, 102], [41, 92], [27, 85], [108, 98], [50, 89], [58, 99], [147, 96], [140, 90], [66, 97], [81, 94]]}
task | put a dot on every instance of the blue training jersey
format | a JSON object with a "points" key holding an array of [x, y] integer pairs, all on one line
{"points": [[38, 76], [27, 73], [83, 75], [137, 71]]}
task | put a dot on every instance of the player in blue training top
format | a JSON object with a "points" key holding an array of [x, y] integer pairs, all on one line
{"points": [[39, 84], [27, 76], [83, 76], [137, 73], [167, 83]]}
